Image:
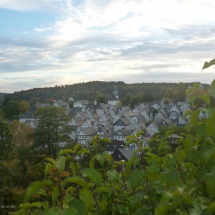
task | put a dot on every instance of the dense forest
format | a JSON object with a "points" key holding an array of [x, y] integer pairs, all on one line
{"points": [[89, 91]]}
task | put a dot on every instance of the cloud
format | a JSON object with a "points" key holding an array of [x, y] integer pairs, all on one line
{"points": [[132, 41], [32, 5]]}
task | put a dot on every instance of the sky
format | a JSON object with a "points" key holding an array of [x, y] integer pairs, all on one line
{"points": [[44, 43]]}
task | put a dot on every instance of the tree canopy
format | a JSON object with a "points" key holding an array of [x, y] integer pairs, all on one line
{"points": [[51, 132]]}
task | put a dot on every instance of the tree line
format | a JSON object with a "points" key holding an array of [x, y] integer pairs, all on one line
{"points": [[144, 92]]}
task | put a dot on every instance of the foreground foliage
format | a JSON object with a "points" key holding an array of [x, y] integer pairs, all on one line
{"points": [[168, 182]]}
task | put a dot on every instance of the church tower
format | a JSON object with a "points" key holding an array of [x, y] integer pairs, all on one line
{"points": [[116, 93]]}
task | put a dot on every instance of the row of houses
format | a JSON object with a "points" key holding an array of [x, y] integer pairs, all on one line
{"points": [[116, 122]]}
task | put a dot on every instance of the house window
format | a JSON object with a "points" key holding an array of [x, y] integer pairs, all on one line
{"points": [[119, 155]]}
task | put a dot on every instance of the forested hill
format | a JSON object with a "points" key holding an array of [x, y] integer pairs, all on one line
{"points": [[89, 90]]}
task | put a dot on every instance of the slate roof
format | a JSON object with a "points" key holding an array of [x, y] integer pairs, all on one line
{"points": [[28, 114], [126, 152], [111, 147]]}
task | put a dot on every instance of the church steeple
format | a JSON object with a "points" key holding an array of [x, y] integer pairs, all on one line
{"points": [[115, 92]]}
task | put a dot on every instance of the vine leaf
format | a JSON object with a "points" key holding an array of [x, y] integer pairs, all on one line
{"points": [[208, 64]]}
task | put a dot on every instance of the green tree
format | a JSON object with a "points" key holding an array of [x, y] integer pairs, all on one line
{"points": [[100, 98], [166, 100], [127, 100], [52, 131], [11, 109], [137, 98], [23, 107], [5, 138], [5, 148]]}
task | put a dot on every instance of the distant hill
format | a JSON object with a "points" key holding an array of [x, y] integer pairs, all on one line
{"points": [[89, 90]]}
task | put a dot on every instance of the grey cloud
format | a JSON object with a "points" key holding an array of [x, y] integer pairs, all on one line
{"points": [[154, 66], [190, 31], [152, 49], [173, 77]]}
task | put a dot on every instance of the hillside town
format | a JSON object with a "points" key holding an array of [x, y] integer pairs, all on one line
{"points": [[114, 121]]}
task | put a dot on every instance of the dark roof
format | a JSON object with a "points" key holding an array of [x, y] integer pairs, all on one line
{"points": [[126, 153], [28, 114], [74, 110], [113, 146], [110, 97], [93, 107]]}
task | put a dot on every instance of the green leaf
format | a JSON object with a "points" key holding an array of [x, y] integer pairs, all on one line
{"points": [[65, 151], [139, 133], [60, 163], [51, 160], [181, 155], [44, 205], [94, 176], [49, 166], [73, 168], [106, 140], [92, 161], [78, 180], [58, 211], [152, 172], [113, 176], [34, 187], [136, 177], [207, 155], [83, 151], [170, 177], [208, 64], [136, 199], [87, 198], [69, 211], [78, 205], [163, 209], [194, 117], [194, 156], [210, 125], [122, 209], [200, 131], [201, 173], [205, 98], [101, 158], [211, 207], [212, 88], [55, 194], [210, 181], [77, 147], [188, 127], [53, 211], [130, 141]]}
